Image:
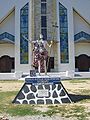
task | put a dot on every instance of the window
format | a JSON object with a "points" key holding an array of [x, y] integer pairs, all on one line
{"points": [[44, 33], [43, 21], [63, 34], [43, 0], [24, 33], [43, 8]]}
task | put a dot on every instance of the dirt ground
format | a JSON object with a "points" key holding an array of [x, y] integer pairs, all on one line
{"points": [[10, 86], [76, 86]]}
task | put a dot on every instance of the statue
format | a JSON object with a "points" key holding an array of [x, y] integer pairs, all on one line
{"points": [[40, 55]]}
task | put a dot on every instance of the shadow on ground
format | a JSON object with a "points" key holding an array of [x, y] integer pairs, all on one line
{"points": [[78, 98]]}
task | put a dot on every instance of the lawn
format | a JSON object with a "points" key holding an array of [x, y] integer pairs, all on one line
{"points": [[78, 89]]}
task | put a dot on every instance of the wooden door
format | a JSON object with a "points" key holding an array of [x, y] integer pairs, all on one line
{"points": [[5, 64], [83, 63]]}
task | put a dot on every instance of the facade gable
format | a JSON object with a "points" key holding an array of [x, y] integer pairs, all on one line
{"points": [[83, 8], [8, 24]]}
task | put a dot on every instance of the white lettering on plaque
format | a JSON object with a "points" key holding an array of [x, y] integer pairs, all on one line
{"points": [[43, 93]]}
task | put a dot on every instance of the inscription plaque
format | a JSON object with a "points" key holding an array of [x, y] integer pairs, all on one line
{"points": [[45, 80], [43, 93]]}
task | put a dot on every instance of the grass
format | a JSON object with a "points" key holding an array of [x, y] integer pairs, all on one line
{"points": [[84, 92], [68, 111], [81, 92], [76, 110], [79, 112], [78, 81], [6, 105], [11, 81]]}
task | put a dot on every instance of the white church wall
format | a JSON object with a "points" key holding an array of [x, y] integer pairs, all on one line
{"points": [[82, 48], [8, 25], [80, 24], [7, 49]]}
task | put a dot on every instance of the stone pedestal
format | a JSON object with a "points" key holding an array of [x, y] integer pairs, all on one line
{"points": [[42, 90]]}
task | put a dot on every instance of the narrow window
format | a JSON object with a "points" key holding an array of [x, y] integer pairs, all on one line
{"points": [[23, 34], [63, 21]]}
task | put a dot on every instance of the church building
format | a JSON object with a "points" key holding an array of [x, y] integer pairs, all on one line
{"points": [[64, 22]]}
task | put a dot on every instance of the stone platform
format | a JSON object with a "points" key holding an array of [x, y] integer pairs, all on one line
{"points": [[42, 90]]}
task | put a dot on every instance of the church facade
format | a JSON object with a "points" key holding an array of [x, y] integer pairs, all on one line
{"points": [[65, 23]]}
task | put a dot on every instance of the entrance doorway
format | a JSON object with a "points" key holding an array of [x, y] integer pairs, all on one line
{"points": [[50, 64], [6, 64], [82, 62]]}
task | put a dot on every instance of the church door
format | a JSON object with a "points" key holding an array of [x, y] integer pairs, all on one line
{"points": [[83, 63], [5, 64]]}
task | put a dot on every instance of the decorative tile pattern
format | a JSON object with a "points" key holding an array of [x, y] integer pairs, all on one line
{"points": [[24, 33], [80, 35], [29, 93], [63, 21], [7, 35]]}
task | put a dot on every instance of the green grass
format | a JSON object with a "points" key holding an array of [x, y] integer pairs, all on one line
{"points": [[68, 111], [22, 110], [78, 112], [6, 106]]}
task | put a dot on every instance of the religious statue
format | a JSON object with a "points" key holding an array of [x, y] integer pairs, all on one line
{"points": [[40, 55]]}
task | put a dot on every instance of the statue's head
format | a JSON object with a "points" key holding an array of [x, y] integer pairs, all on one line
{"points": [[41, 36]]}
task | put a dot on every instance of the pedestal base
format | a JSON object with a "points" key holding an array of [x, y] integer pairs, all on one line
{"points": [[42, 90]]}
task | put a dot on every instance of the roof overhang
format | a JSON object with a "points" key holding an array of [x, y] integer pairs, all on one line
{"points": [[82, 37], [6, 40]]}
